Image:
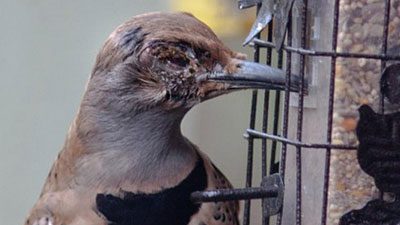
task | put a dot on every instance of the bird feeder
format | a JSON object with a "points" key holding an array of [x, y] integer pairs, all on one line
{"points": [[340, 49]]}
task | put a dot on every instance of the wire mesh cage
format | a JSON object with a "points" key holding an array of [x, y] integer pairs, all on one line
{"points": [[339, 49]]}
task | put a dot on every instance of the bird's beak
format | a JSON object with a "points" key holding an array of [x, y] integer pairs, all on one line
{"points": [[251, 75]]}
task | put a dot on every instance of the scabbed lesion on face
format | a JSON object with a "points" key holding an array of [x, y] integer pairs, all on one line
{"points": [[166, 54], [177, 66]]}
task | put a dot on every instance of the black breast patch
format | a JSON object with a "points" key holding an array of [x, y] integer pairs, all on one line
{"points": [[171, 206]]}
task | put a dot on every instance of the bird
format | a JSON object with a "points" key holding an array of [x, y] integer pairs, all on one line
{"points": [[125, 159], [375, 212], [378, 151]]}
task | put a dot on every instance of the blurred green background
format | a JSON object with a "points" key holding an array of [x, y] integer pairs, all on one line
{"points": [[47, 52]]}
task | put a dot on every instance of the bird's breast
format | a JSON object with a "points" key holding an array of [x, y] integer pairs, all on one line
{"points": [[171, 206]]}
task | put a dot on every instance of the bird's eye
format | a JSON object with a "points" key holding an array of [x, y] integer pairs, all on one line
{"points": [[174, 56], [207, 55], [179, 61]]}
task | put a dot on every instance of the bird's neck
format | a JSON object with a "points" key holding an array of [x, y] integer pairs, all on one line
{"points": [[149, 143], [150, 130]]}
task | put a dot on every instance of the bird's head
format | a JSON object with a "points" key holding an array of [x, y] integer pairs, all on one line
{"points": [[171, 61]]}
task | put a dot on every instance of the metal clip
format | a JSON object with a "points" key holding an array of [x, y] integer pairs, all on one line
{"points": [[279, 9], [272, 206], [264, 16]]}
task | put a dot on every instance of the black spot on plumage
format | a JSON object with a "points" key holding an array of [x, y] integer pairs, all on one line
{"points": [[130, 37], [171, 206], [130, 40]]}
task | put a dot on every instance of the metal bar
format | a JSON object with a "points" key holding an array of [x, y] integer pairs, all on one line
{"points": [[302, 51], [265, 219], [250, 152], [386, 22], [300, 113], [269, 50], [258, 134], [385, 33], [250, 147], [330, 113], [276, 116], [285, 122], [234, 194]]}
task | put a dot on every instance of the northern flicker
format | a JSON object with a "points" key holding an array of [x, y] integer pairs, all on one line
{"points": [[125, 160]]}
